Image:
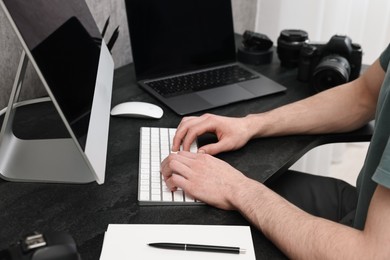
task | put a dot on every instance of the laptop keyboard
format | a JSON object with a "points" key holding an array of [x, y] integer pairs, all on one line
{"points": [[155, 146], [179, 85]]}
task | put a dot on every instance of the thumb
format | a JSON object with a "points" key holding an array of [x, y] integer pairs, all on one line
{"points": [[213, 148]]}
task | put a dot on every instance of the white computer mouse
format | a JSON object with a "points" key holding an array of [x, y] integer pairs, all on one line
{"points": [[137, 109]]}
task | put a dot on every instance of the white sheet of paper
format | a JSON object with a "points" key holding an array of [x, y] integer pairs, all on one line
{"points": [[128, 241]]}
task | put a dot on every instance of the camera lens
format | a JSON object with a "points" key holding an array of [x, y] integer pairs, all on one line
{"points": [[333, 70], [289, 45]]}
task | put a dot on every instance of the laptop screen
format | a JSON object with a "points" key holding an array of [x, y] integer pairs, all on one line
{"points": [[173, 36]]}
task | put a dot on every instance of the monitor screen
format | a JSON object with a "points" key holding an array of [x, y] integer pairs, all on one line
{"points": [[66, 47], [65, 42]]}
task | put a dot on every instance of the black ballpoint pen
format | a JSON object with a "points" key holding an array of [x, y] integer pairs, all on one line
{"points": [[194, 247]]}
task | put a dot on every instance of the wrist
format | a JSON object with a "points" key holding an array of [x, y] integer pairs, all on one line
{"points": [[240, 192], [257, 125]]}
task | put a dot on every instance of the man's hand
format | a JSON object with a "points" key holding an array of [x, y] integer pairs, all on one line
{"points": [[232, 133], [202, 176]]}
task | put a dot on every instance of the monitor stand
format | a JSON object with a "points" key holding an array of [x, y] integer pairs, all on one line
{"points": [[41, 160]]}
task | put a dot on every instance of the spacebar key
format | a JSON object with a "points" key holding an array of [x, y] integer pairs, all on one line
{"points": [[178, 196]]}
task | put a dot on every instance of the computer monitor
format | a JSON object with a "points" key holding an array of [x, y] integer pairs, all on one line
{"points": [[63, 43]]}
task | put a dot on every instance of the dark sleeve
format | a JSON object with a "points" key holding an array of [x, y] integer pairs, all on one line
{"points": [[385, 58], [382, 173]]}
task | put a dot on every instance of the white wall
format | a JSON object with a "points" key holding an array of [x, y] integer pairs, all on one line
{"points": [[367, 22]]}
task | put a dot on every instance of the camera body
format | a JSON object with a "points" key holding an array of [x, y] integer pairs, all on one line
{"points": [[37, 246], [333, 63]]}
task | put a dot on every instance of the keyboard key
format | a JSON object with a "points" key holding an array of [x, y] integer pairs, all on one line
{"points": [[178, 195], [144, 195], [188, 198]]}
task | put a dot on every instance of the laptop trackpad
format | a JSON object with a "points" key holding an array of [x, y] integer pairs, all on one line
{"points": [[225, 95]]}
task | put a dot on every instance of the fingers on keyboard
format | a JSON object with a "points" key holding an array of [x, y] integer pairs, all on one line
{"points": [[155, 147]]}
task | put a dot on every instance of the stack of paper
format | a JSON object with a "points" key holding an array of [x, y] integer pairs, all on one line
{"points": [[131, 241]]}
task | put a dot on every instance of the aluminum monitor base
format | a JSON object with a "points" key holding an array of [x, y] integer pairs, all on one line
{"points": [[43, 160]]}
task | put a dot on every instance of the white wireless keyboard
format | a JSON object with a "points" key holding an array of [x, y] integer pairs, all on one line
{"points": [[155, 146]]}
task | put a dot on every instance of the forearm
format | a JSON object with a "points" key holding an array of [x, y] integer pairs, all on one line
{"points": [[298, 234], [340, 109], [326, 112]]}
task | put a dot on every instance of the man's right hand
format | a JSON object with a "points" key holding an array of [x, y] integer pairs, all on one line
{"points": [[232, 133]]}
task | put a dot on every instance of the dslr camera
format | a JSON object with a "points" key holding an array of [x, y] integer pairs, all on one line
{"points": [[38, 246], [333, 63]]}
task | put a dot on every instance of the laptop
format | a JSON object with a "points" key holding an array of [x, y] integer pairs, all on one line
{"points": [[182, 49]]}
